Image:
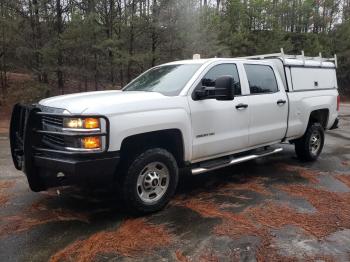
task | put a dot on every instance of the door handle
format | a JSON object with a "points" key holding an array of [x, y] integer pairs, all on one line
{"points": [[242, 106], [281, 102]]}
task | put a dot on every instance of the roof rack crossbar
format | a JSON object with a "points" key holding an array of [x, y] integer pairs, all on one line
{"points": [[302, 57]]}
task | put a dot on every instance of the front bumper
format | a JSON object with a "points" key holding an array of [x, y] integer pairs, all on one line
{"points": [[47, 167], [59, 171]]}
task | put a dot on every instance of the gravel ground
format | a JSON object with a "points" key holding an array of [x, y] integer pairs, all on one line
{"points": [[271, 209]]}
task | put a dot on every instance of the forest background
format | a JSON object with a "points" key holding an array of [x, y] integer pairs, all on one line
{"points": [[50, 47]]}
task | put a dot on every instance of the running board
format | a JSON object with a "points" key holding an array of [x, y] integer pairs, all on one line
{"points": [[234, 161]]}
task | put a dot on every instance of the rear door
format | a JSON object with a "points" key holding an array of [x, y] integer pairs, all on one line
{"points": [[268, 105], [220, 127]]}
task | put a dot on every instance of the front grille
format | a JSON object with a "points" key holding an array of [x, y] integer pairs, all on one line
{"points": [[54, 140], [53, 121]]}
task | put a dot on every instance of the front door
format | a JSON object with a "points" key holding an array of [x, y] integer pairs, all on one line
{"points": [[219, 127]]}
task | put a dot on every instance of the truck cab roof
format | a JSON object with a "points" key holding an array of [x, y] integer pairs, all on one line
{"points": [[211, 60]]}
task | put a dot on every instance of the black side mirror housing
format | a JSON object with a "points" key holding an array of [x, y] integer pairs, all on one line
{"points": [[222, 89]]}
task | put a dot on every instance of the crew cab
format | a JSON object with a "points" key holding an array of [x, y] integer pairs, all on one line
{"points": [[200, 114]]}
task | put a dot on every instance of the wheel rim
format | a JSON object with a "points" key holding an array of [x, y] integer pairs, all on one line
{"points": [[315, 142], [152, 182]]}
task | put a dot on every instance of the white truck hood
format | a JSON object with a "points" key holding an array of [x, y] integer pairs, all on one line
{"points": [[102, 102]]}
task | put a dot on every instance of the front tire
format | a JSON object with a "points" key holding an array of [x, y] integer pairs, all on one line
{"points": [[150, 181], [309, 147]]}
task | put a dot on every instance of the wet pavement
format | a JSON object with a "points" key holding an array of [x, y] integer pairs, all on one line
{"points": [[271, 209]]}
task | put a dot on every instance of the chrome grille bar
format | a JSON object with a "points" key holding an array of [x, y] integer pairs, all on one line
{"points": [[70, 134]]}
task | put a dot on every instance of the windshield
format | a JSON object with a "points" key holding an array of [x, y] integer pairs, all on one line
{"points": [[168, 80]]}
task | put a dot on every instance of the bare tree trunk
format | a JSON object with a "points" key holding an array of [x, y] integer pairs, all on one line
{"points": [[110, 36], [36, 40], [96, 72], [91, 11], [36, 36], [293, 17], [119, 28], [331, 16], [3, 69], [131, 40], [154, 36], [59, 29], [86, 84], [39, 43], [316, 18], [324, 13]]}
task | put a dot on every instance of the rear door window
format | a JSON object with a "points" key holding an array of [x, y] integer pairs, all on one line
{"points": [[261, 78]]}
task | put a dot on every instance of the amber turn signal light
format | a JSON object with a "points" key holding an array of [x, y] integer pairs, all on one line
{"points": [[93, 142], [91, 123]]}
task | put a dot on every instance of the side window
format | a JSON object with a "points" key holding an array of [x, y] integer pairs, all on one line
{"points": [[261, 79], [223, 70]]}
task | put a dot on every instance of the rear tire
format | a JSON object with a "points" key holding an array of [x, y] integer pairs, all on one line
{"points": [[309, 147], [149, 181]]}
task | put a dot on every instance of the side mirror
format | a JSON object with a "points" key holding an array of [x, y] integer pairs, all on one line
{"points": [[222, 89]]}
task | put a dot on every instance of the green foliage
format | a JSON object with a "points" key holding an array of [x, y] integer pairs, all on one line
{"points": [[105, 43], [342, 45]]}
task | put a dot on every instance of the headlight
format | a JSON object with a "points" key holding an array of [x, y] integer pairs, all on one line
{"points": [[81, 123], [87, 126], [73, 123]]}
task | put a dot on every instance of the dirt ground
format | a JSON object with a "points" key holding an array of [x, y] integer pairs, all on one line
{"points": [[271, 209]]}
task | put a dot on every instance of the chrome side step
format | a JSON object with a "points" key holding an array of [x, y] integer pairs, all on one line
{"points": [[234, 161]]}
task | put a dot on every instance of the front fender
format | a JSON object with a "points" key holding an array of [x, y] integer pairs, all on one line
{"points": [[126, 125]]}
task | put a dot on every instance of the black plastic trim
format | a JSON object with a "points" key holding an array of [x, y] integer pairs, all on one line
{"points": [[98, 170], [335, 124], [77, 165]]}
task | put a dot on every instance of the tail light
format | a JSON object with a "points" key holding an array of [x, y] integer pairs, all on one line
{"points": [[338, 103]]}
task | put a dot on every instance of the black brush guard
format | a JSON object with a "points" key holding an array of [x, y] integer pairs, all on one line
{"points": [[41, 163], [23, 121]]}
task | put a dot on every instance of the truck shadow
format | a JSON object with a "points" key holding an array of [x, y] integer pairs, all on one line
{"points": [[244, 184], [98, 206]]}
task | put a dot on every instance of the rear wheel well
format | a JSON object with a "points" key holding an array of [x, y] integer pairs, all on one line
{"points": [[170, 139], [319, 116]]}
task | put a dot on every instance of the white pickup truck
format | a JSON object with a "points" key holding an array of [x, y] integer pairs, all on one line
{"points": [[200, 114]]}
